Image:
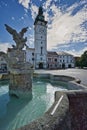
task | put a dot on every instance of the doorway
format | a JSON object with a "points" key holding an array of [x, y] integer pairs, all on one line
{"points": [[40, 65], [69, 66], [63, 66]]}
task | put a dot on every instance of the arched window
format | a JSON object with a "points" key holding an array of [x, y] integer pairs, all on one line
{"points": [[41, 50]]}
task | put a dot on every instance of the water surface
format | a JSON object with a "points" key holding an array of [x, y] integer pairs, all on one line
{"points": [[15, 113]]}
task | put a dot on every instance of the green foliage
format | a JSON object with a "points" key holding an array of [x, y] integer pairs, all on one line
{"points": [[77, 63], [83, 60]]}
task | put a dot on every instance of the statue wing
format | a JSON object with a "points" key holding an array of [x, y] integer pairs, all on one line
{"points": [[10, 30], [23, 31]]}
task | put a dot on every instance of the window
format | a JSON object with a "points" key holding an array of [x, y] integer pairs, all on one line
{"points": [[33, 59], [55, 65], [49, 59], [50, 65], [71, 60], [32, 54], [1, 59], [41, 50], [56, 60], [41, 36], [41, 42], [41, 58]]}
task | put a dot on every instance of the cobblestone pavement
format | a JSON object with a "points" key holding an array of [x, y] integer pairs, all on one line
{"points": [[77, 73]]}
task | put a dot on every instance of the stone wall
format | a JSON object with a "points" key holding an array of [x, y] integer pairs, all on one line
{"points": [[72, 83], [20, 81], [49, 121], [70, 114], [54, 77], [4, 77], [20, 85], [78, 110]]}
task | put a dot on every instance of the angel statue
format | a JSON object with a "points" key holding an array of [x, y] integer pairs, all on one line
{"points": [[17, 37]]}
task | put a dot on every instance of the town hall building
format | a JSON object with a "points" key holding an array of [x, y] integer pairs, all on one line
{"points": [[38, 56]]}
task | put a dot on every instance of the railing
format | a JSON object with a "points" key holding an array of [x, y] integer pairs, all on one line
{"points": [[56, 106]]}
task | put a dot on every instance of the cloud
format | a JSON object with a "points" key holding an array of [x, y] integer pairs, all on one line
{"points": [[47, 4], [24, 3], [77, 53], [46, 7], [66, 28], [34, 11], [22, 18], [30, 41], [66, 24], [12, 18], [74, 48], [4, 46], [33, 7], [26, 11], [30, 28], [4, 4]]}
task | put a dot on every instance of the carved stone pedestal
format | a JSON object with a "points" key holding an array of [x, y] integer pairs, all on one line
{"points": [[20, 74], [20, 83]]}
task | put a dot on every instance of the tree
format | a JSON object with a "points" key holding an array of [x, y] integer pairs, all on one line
{"points": [[77, 61], [83, 60]]}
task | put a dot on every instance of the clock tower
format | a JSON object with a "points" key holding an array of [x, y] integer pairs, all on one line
{"points": [[40, 40]]}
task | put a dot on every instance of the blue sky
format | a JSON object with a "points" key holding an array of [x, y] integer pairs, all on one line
{"points": [[67, 23]]}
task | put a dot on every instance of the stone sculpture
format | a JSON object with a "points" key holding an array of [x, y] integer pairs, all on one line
{"points": [[20, 70], [17, 37]]}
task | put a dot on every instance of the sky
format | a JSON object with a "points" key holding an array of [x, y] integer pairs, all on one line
{"points": [[67, 23]]}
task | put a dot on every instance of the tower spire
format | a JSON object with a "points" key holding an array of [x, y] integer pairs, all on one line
{"points": [[40, 16], [40, 12]]}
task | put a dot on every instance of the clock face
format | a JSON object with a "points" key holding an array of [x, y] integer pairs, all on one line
{"points": [[42, 30], [41, 17]]}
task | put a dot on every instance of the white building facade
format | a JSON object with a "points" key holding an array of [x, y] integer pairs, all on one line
{"points": [[38, 56], [30, 56], [52, 60], [65, 60]]}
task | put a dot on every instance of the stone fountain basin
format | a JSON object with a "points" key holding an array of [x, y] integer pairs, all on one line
{"points": [[72, 83], [61, 115]]}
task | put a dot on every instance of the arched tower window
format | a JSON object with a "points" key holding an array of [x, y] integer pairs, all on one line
{"points": [[41, 50]]}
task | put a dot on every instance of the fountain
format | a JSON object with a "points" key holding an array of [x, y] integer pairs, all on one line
{"points": [[20, 70], [63, 114]]}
